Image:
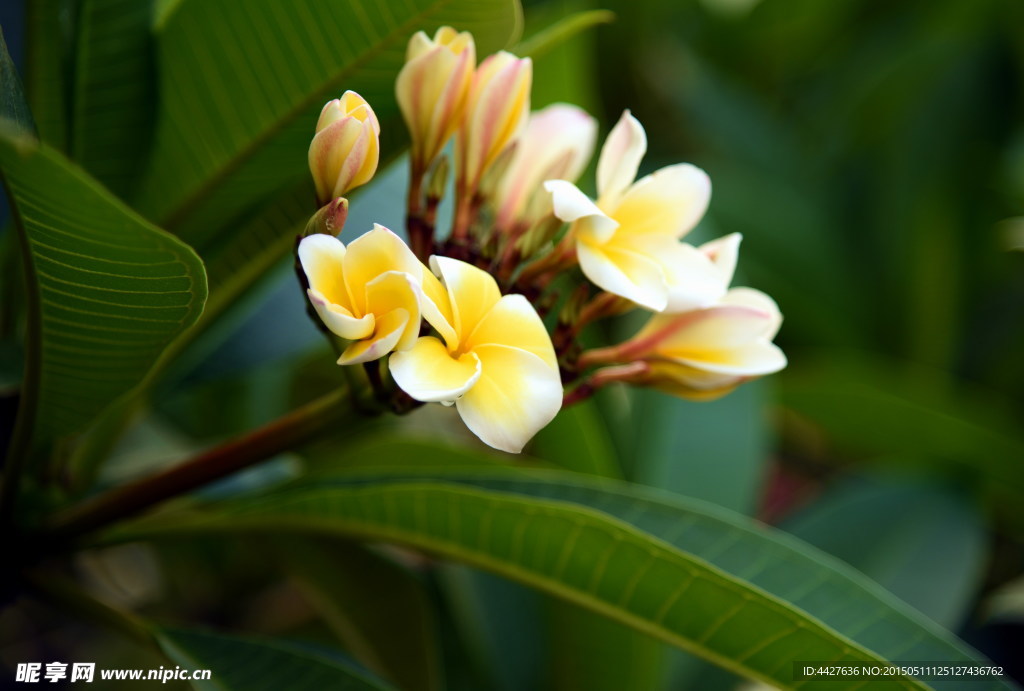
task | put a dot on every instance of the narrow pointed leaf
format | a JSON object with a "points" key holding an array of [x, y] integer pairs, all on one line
{"points": [[253, 664], [701, 578]]}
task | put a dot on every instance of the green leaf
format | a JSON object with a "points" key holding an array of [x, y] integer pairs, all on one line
{"points": [[241, 86], [110, 290], [561, 31], [870, 406], [114, 103], [376, 607], [704, 579], [923, 543], [48, 37], [12, 97], [578, 440], [254, 664]]}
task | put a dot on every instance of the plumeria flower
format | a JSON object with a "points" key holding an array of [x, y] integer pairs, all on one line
{"points": [[628, 241], [704, 354], [368, 293], [557, 143], [494, 358], [345, 150]]}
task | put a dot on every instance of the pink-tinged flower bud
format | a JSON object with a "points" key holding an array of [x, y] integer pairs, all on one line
{"points": [[557, 144], [344, 152], [499, 102], [705, 353], [432, 89]]}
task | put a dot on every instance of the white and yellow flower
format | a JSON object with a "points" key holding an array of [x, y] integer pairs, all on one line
{"points": [[557, 143], [432, 89], [346, 148], [367, 293], [628, 242], [494, 358], [706, 353]]}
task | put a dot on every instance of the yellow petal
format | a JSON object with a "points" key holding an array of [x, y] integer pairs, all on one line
{"points": [[396, 290], [517, 395], [321, 257], [620, 157], [371, 255], [386, 335], [668, 202], [472, 292], [428, 372], [694, 281], [631, 275], [339, 320], [514, 322], [437, 308]]}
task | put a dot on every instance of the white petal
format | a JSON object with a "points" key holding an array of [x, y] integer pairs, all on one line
{"points": [[339, 320], [517, 395], [694, 281], [705, 333], [620, 156], [628, 274], [572, 205], [428, 372], [724, 252], [748, 297]]}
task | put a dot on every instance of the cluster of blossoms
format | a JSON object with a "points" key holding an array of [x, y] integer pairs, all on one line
{"points": [[461, 320]]}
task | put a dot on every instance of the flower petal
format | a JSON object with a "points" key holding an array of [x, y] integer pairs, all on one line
{"points": [[668, 202], [372, 254], [517, 394], [751, 360], [620, 157], [387, 333], [395, 290], [514, 322], [625, 273], [694, 281], [572, 205], [755, 299], [704, 335], [321, 258], [472, 291], [724, 252], [428, 372], [339, 320], [437, 308]]}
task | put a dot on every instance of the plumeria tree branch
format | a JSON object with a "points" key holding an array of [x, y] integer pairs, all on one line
{"points": [[324, 414]]}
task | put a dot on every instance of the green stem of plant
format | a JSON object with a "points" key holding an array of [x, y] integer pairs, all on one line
{"points": [[126, 500], [68, 597]]}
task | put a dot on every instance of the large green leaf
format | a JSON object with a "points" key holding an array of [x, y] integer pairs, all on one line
{"points": [[110, 291], [377, 607], [695, 575], [254, 664], [241, 85], [924, 543], [114, 91], [48, 28]]}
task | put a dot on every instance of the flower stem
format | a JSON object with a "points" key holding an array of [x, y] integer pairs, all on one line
{"points": [[129, 499]]}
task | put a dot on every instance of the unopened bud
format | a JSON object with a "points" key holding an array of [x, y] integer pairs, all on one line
{"points": [[345, 150]]}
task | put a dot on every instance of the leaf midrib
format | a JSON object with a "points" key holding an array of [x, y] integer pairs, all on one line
{"points": [[190, 202]]}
